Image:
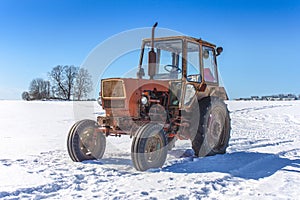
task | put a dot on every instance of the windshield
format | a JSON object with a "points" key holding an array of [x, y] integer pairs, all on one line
{"points": [[168, 59]]}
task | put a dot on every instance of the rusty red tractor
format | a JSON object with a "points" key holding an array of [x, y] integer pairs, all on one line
{"points": [[178, 98]]}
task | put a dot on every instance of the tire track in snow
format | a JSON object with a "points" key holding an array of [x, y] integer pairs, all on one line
{"points": [[236, 146], [72, 177], [66, 175], [251, 158], [251, 109]]}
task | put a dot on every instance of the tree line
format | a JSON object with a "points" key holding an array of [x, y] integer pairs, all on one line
{"points": [[65, 83]]}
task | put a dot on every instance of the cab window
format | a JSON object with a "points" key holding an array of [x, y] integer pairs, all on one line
{"points": [[168, 58], [209, 64], [193, 62]]}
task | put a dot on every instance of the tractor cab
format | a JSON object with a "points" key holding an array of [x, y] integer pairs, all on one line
{"points": [[189, 64], [179, 57]]}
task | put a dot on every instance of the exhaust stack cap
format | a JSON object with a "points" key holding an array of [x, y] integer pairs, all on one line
{"points": [[152, 38]]}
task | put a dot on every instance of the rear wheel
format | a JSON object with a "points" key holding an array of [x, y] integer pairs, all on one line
{"points": [[214, 128], [149, 147], [85, 142]]}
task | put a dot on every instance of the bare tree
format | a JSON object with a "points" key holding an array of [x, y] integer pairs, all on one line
{"points": [[83, 84], [70, 75], [63, 78], [56, 75], [39, 89], [25, 96]]}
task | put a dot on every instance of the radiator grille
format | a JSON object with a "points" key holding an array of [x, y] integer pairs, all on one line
{"points": [[114, 103], [113, 88]]}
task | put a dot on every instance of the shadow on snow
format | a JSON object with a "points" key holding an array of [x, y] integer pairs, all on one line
{"points": [[111, 161], [247, 165]]}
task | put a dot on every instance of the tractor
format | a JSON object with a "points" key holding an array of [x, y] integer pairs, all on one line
{"points": [[175, 95]]}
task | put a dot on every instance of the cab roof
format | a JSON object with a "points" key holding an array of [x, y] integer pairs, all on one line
{"points": [[188, 38]]}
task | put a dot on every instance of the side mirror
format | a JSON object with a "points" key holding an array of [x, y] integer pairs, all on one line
{"points": [[219, 50]]}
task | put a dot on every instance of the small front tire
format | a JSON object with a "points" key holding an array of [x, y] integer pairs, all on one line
{"points": [[85, 142], [149, 147]]}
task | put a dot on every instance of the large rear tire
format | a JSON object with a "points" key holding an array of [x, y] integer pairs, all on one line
{"points": [[149, 147], [213, 133], [85, 142]]}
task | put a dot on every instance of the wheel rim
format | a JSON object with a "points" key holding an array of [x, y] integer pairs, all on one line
{"points": [[152, 148], [216, 124], [88, 141]]}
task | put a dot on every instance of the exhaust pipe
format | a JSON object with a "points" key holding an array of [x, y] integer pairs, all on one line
{"points": [[152, 36], [152, 56]]}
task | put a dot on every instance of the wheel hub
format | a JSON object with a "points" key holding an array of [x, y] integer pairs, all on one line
{"points": [[88, 141], [152, 147], [215, 127]]}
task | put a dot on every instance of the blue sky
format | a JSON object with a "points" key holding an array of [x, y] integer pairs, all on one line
{"points": [[261, 39]]}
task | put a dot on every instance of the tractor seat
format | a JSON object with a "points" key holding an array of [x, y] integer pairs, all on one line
{"points": [[208, 76]]}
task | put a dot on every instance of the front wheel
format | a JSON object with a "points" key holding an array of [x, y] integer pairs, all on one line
{"points": [[85, 142], [149, 147]]}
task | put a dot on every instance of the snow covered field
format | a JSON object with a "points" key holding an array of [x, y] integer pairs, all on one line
{"points": [[262, 161]]}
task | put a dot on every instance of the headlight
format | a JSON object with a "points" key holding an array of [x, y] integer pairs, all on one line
{"points": [[144, 100], [99, 101]]}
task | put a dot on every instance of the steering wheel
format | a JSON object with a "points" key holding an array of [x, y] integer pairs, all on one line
{"points": [[172, 68]]}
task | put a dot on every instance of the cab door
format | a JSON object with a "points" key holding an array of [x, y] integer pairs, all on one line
{"points": [[193, 80], [209, 65]]}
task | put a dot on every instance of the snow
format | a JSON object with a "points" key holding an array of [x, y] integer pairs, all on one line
{"points": [[262, 160]]}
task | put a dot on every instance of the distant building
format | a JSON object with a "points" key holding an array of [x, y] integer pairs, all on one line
{"points": [[243, 99], [289, 97], [255, 98], [279, 97], [268, 98]]}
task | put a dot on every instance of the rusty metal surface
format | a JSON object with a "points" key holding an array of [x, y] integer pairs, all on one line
{"points": [[121, 97], [133, 91], [198, 40], [215, 91]]}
